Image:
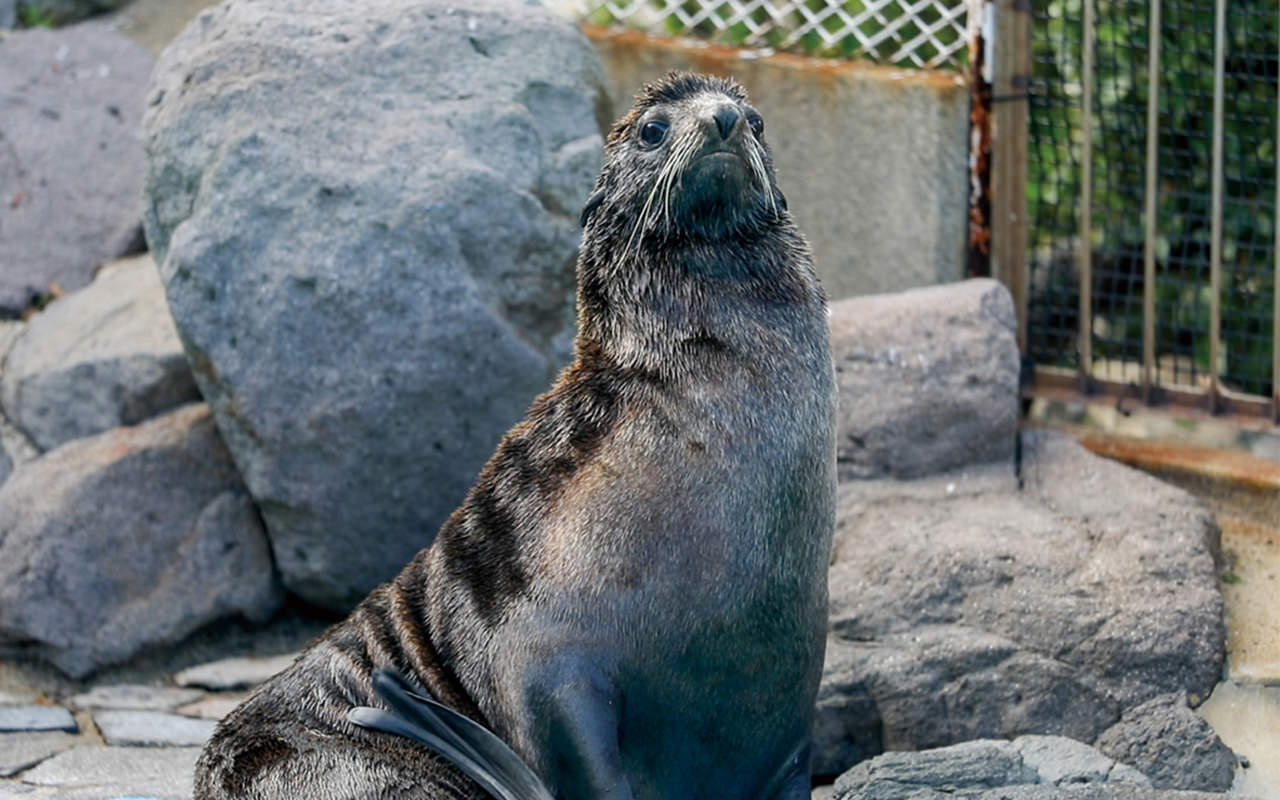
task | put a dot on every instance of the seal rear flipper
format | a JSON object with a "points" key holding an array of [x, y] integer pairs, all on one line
{"points": [[480, 754]]}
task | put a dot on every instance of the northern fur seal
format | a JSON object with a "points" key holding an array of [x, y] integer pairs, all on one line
{"points": [[633, 596]]}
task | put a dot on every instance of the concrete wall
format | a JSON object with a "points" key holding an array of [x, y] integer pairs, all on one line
{"points": [[873, 160]]}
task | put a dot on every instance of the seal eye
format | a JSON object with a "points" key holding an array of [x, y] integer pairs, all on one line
{"points": [[756, 123], [653, 132]]}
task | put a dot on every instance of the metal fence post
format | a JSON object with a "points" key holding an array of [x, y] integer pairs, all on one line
{"points": [[1149, 243], [1215, 243], [1084, 252]]}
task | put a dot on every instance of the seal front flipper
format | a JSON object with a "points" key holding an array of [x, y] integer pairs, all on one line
{"points": [[480, 754]]}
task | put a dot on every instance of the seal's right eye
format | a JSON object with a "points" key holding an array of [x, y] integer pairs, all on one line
{"points": [[653, 132]]}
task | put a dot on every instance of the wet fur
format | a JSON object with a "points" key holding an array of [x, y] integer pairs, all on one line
{"points": [[633, 595]]}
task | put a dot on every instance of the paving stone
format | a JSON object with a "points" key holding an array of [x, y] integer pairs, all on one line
{"points": [[36, 718], [17, 698], [152, 728], [234, 673], [159, 772], [215, 707], [139, 698], [19, 751]]}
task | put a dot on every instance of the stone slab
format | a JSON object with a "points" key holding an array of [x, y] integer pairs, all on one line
{"points": [[138, 698], [88, 772], [36, 718], [234, 673], [215, 707], [19, 751], [152, 728]]}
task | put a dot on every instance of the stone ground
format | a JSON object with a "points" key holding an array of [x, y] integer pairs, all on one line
{"points": [[132, 733]]}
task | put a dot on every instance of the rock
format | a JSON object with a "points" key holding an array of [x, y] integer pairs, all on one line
{"points": [[71, 156], [152, 728], [1173, 746], [15, 447], [366, 220], [234, 673], [214, 708], [132, 771], [928, 380], [19, 751], [138, 698], [8, 14], [36, 718], [130, 539], [105, 356], [964, 608], [969, 768]]}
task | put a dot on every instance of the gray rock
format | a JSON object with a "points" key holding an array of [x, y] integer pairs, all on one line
{"points": [[965, 608], [970, 769], [137, 698], [71, 156], [152, 728], [1171, 744], [19, 751], [105, 356], [36, 718], [366, 220], [214, 707], [8, 14], [928, 380], [90, 771], [15, 447], [127, 540], [234, 673]]}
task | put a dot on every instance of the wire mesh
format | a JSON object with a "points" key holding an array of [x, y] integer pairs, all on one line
{"points": [[914, 33], [1185, 104]]}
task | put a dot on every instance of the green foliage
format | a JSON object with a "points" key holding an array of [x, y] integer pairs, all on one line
{"points": [[1183, 214], [1231, 577], [30, 16]]}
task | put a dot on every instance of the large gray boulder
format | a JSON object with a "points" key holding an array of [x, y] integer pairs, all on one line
{"points": [[964, 606], [366, 220], [1027, 768], [928, 379], [71, 157], [127, 540], [105, 356], [1172, 745]]}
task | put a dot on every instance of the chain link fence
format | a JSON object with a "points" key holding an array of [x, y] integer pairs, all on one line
{"points": [[1183, 207], [912, 33]]}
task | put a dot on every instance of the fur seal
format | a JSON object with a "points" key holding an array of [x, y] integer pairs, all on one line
{"points": [[633, 595]]}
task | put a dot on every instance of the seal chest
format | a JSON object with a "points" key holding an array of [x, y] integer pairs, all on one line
{"points": [[633, 595]]}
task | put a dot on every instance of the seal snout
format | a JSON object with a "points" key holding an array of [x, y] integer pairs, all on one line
{"points": [[726, 118]]}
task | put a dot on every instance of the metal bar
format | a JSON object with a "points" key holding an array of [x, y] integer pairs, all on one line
{"points": [[1010, 64], [1275, 280], [1149, 247], [1084, 252], [1215, 244], [1054, 383]]}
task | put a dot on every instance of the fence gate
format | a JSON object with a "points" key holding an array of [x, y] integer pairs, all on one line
{"points": [[1151, 199]]}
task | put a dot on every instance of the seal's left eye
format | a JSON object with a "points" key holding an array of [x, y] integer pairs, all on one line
{"points": [[653, 132], [756, 123]]}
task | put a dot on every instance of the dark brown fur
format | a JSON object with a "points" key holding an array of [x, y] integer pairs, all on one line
{"points": [[691, 438]]}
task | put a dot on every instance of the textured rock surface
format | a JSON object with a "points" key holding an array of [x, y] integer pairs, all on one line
{"points": [[105, 356], [19, 751], [71, 156], [234, 673], [1027, 768], [127, 540], [15, 447], [965, 608], [152, 728], [139, 698], [928, 379], [366, 221], [118, 771], [1177, 749], [36, 718]]}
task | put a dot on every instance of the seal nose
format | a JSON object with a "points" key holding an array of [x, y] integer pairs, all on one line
{"points": [[726, 117]]}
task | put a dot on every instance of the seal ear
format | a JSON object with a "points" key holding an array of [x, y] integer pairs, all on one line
{"points": [[593, 202]]}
